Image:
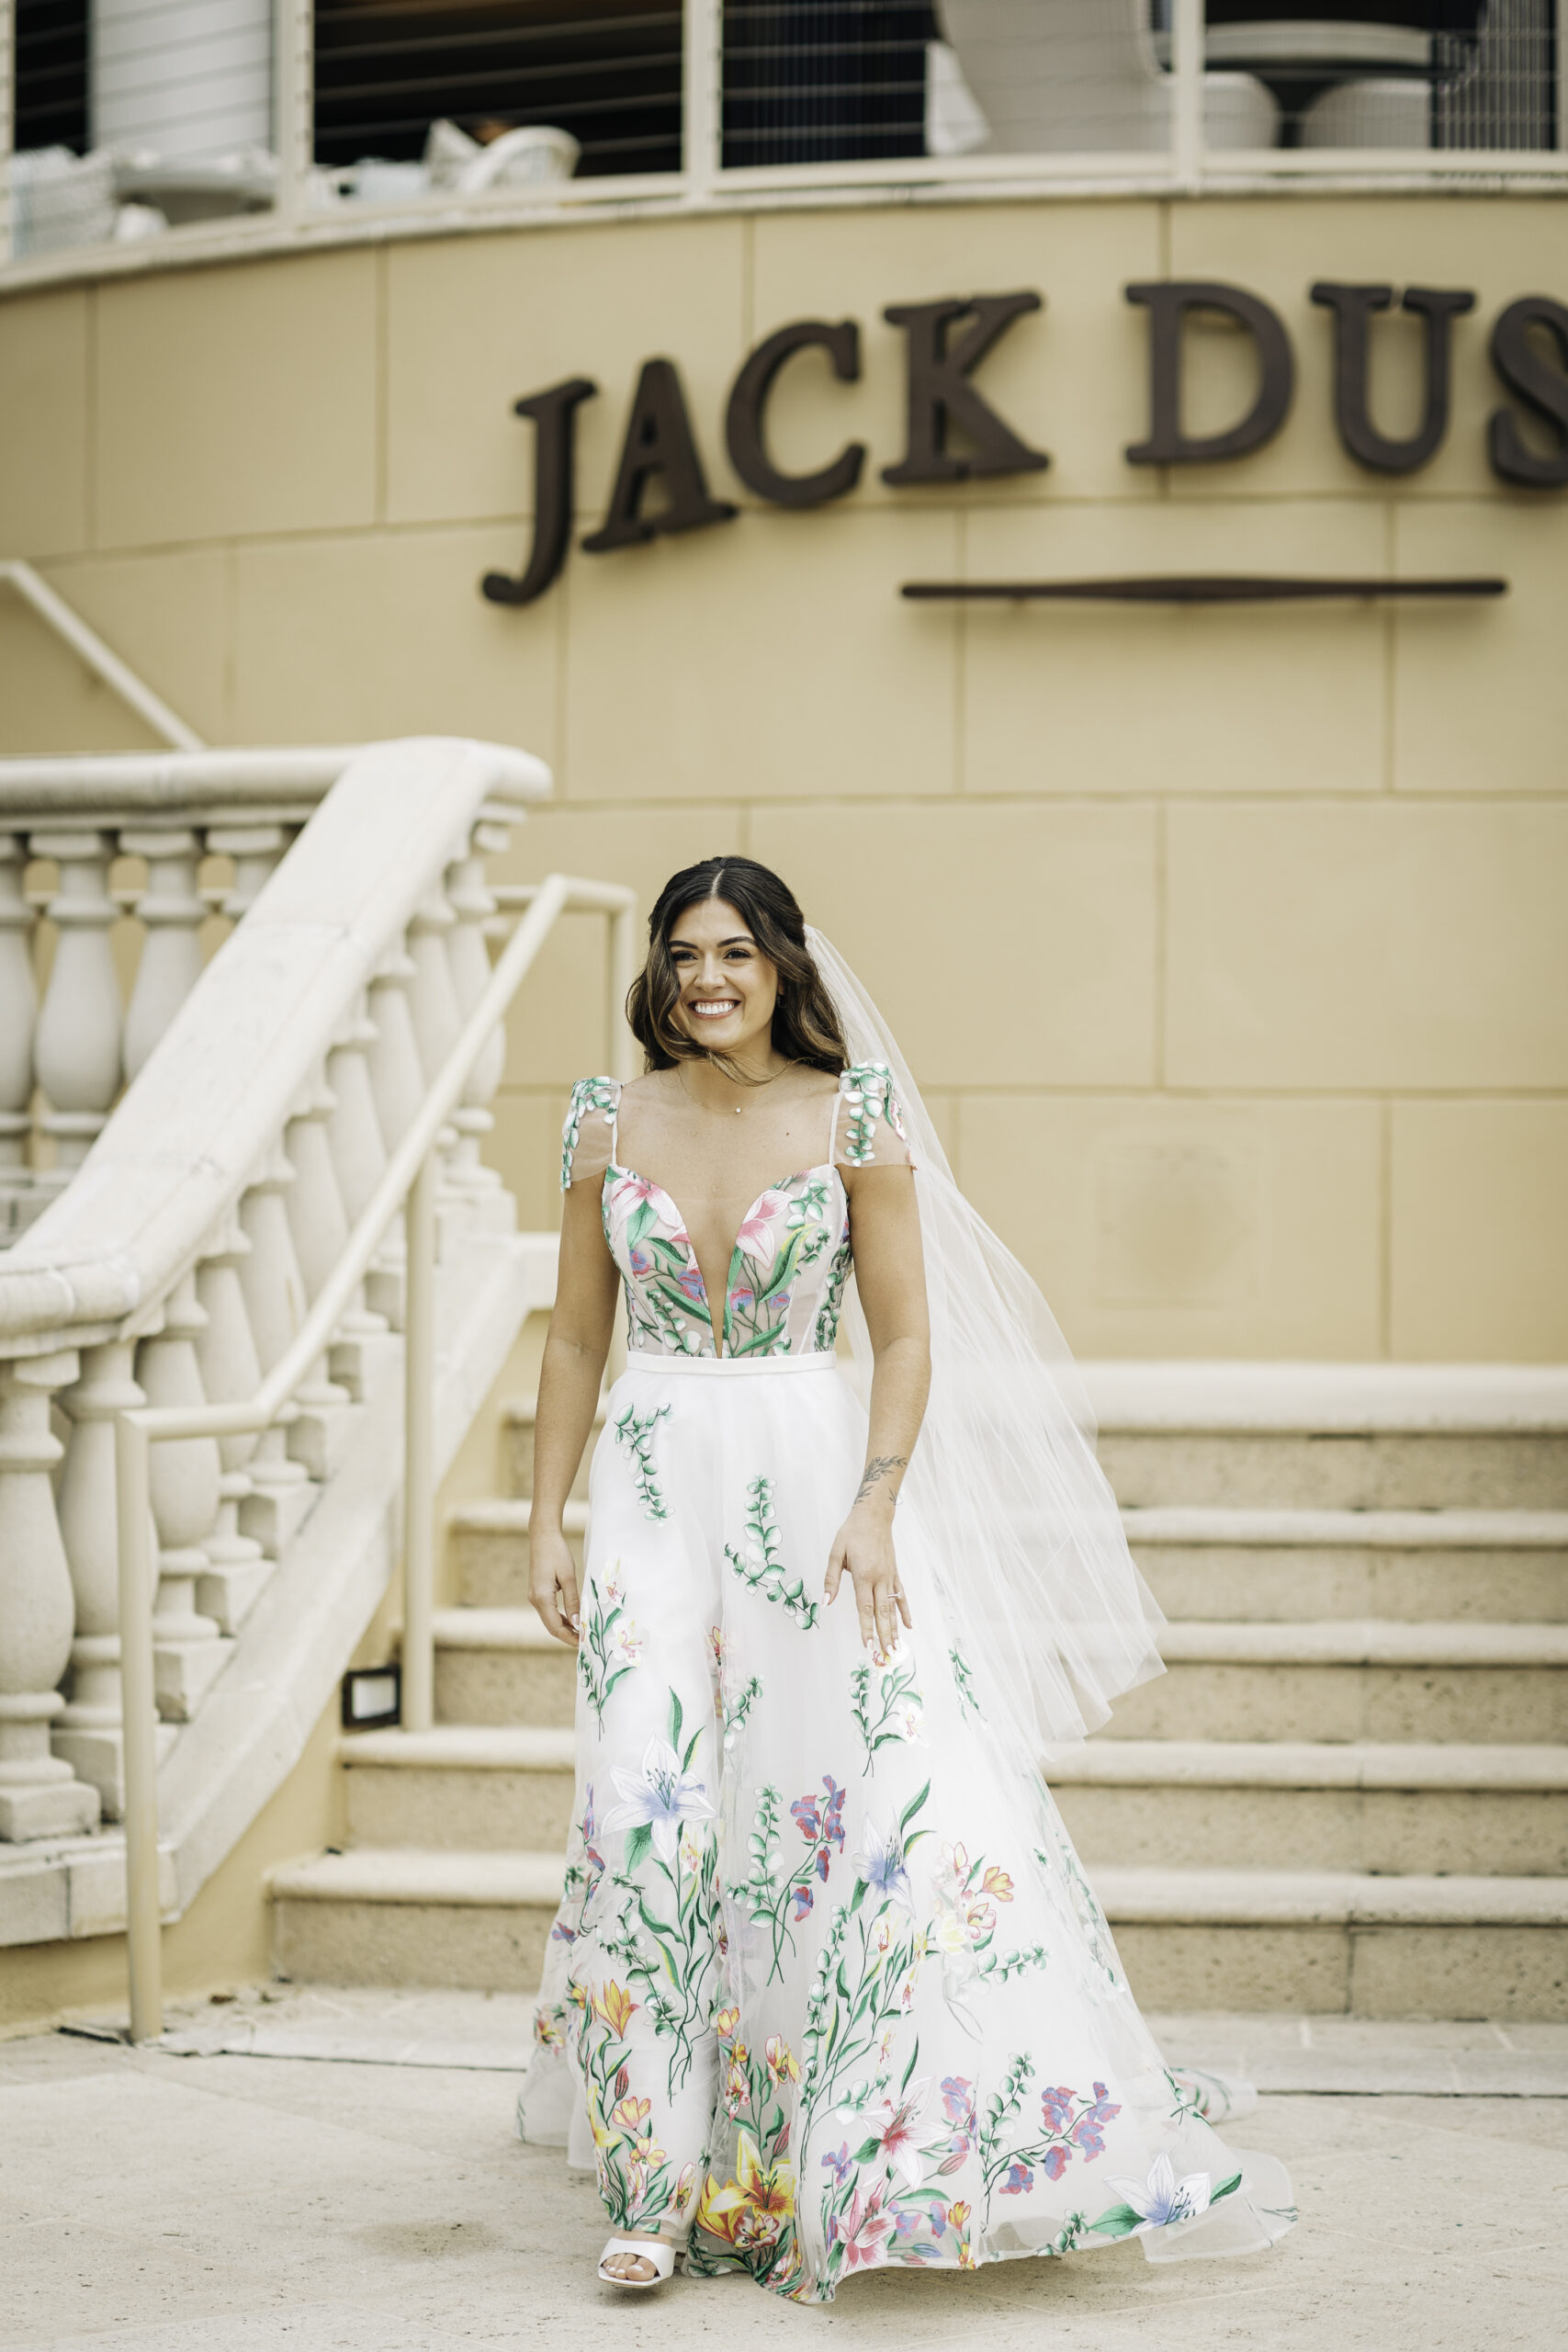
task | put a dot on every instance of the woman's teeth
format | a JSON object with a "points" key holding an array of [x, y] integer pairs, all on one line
{"points": [[717, 1010]]}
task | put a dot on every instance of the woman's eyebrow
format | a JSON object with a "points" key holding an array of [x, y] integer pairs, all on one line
{"points": [[735, 939]]}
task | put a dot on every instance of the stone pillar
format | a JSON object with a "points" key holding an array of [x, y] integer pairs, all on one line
{"points": [[396, 1085], [39, 1796], [186, 1472], [255, 849], [359, 1162], [472, 905], [237, 1568], [18, 1011], [275, 1305], [89, 1734], [77, 1054], [173, 911]]}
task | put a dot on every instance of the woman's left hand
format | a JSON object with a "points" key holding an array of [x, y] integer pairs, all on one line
{"points": [[864, 1547]]}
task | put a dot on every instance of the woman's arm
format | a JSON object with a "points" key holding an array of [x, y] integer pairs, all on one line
{"points": [[890, 1277], [575, 1351]]}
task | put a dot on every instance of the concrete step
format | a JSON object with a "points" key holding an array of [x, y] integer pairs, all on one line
{"points": [[1191, 1939], [517, 1420], [1353, 1680], [489, 1547], [1347, 1437], [491, 1789], [1208, 1561], [406, 1915], [1480, 1810], [1333, 1940], [499, 1665]]}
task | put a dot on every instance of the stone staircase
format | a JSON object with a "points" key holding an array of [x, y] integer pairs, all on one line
{"points": [[1349, 1793]]}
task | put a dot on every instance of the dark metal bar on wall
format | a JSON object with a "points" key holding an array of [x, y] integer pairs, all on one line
{"points": [[1190, 588]]}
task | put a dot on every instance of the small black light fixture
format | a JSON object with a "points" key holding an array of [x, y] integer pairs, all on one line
{"points": [[372, 1696]]}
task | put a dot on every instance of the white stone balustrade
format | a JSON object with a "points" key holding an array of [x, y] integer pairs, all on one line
{"points": [[237, 1565], [18, 1010], [473, 905], [39, 1797], [89, 1734], [212, 1142], [78, 1049], [172, 911], [187, 1479]]}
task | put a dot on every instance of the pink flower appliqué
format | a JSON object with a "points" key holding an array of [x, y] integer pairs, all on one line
{"points": [[755, 1239]]}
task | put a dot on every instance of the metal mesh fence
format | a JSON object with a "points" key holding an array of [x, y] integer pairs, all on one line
{"points": [[606, 72]]}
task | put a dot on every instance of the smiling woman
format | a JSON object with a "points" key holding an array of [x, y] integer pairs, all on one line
{"points": [[744, 2034]]}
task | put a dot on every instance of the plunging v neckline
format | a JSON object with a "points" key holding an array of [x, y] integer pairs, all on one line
{"points": [[718, 1331]]}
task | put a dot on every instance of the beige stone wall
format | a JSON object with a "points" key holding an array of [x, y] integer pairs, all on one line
{"points": [[1230, 944]]}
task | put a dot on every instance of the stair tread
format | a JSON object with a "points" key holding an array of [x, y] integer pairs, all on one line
{"points": [[1363, 1641], [508, 1515], [477, 1747], [1328, 1400], [421, 1874], [492, 1629], [1307, 1764], [1217, 1523], [1147, 1895]]}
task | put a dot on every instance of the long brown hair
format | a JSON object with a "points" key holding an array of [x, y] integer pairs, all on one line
{"points": [[805, 1024]]}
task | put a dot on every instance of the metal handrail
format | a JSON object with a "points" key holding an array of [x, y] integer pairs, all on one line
{"points": [[409, 1176]]}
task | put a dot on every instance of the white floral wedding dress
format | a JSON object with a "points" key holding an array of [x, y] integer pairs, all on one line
{"points": [[829, 1988]]}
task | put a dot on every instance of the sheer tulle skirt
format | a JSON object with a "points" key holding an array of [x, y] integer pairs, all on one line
{"points": [[829, 1988]]}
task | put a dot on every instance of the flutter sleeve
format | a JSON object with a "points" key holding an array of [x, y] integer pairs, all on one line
{"points": [[588, 1135], [869, 1131]]}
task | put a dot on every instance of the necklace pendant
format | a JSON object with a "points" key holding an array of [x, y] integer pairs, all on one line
{"points": [[737, 1109]]}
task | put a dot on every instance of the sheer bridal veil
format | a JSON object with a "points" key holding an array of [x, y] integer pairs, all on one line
{"points": [[1041, 1591]]}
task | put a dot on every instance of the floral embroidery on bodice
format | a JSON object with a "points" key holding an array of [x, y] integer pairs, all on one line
{"points": [[792, 1255]]}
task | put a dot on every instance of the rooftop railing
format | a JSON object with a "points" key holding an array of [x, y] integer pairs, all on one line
{"points": [[123, 122]]}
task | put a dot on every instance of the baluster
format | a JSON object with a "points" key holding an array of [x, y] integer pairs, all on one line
{"points": [[276, 1302], [396, 1085], [281, 1493], [39, 1795], [173, 911], [472, 904], [255, 849], [396, 1071], [19, 1017], [359, 1156], [186, 1475], [77, 1052], [89, 1734], [319, 1226], [433, 1004], [353, 1130], [237, 1568]]}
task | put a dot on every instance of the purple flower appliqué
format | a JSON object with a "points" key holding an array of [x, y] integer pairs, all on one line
{"points": [[1088, 2133], [1020, 2180], [841, 2165]]}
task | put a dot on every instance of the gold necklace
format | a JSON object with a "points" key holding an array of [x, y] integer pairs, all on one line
{"points": [[761, 1084]]}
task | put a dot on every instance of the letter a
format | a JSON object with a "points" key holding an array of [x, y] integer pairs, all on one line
{"points": [[659, 441]]}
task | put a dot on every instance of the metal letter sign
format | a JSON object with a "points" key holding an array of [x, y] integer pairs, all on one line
{"points": [[945, 342], [1353, 307], [938, 393], [1168, 302], [659, 441]]}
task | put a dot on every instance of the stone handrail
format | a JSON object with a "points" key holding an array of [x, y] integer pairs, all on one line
{"points": [[175, 1256]]}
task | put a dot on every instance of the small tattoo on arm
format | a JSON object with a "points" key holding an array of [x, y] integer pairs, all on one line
{"points": [[876, 1471]]}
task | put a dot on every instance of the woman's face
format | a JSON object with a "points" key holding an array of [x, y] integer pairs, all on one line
{"points": [[729, 989]]}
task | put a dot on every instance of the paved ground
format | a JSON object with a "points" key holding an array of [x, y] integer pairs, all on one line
{"points": [[372, 2198]]}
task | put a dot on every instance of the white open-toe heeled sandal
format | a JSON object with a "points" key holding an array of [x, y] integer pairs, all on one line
{"points": [[655, 2250]]}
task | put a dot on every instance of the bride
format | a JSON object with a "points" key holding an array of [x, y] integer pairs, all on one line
{"points": [[829, 1988]]}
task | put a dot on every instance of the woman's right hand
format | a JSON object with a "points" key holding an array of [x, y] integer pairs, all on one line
{"points": [[552, 1582]]}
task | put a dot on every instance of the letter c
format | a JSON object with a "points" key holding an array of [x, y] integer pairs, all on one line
{"points": [[743, 418]]}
